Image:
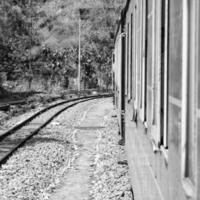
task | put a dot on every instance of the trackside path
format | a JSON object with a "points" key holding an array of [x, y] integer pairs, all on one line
{"points": [[95, 174], [74, 158]]}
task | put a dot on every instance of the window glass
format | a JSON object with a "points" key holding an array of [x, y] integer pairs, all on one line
{"points": [[134, 55], [199, 86], [127, 58], [190, 128], [164, 74], [145, 14], [199, 76], [149, 62], [149, 53], [175, 46], [131, 56], [191, 94]]}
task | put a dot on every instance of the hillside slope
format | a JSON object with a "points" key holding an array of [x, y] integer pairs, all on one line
{"points": [[40, 39]]}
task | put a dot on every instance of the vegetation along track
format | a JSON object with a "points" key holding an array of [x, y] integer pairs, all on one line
{"points": [[17, 136]]}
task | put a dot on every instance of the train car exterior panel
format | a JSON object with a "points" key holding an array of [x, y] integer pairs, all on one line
{"points": [[153, 162], [143, 179], [175, 85], [161, 99]]}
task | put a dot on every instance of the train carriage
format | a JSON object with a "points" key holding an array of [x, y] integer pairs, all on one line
{"points": [[157, 72]]}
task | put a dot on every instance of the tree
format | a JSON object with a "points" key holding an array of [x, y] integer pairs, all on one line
{"points": [[41, 40]]}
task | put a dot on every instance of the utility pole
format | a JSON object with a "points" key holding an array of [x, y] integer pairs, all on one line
{"points": [[79, 58], [29, 64], [83, 15]]}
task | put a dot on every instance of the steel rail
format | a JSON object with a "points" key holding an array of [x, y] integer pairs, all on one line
{"points": [[6, 106], [18, 126], [25, 122]]}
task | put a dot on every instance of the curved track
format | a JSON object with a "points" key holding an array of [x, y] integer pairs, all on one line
{"points": [[17, 136]]}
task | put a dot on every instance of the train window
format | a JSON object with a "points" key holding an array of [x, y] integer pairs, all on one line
{"points": [[126, 65], [142, 56], [160, 72], [199, 83], [127, 60], [190, 107], [134, 56], [136, 51], [164, 75], [143, 60], [140, 48], [139, 52], [189, 88], [129, 63], [131, 57], [155, 47], [149, 63], [145, 31]]}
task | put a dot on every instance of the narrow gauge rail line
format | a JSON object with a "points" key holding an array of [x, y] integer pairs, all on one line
{"points": [[6, 106], [17, 136]]}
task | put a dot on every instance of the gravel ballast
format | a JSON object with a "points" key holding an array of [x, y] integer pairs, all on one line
{"points": [[36, 171], [110, 179]]}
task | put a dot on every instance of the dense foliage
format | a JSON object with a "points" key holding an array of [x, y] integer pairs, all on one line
{"points": [[39, 39]]}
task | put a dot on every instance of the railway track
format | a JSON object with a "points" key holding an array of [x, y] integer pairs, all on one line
{"points": [[6, 106], [18, 135]]}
